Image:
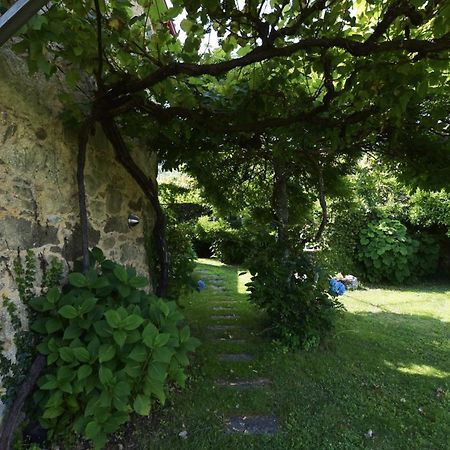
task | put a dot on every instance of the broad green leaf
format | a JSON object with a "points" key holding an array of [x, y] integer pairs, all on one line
{"points": [[162, 339], [72, 332], [138, 282], [124, 291], [39, 326], [106, 352], [66, 387], [142, 405], [133, 369], [43, 348], [105, 375], [132, 322], [139, 353], [88, 305], [157, 371], [53, 295], [68, 312], [120, 337], [52, 413], [49, 385], [122, 389], [77, 279], [163, 354], [81, 354], [179, 377], [121, 274], [92, 429], [52, 358], [113, 318], [84, 371], [149, 334], [184, 334], [66, 354], [52, 325], [156, 388]]}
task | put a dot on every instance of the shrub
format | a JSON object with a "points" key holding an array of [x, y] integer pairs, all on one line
{"points": [[296, 297], [428, 209], [206, 231], [111, 349], [218, 238], [182, 258], [341, 237], [390, 253]]}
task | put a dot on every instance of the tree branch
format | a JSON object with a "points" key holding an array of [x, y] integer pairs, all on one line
{"points": [[259, 54], [114, 135], [98, 18]]}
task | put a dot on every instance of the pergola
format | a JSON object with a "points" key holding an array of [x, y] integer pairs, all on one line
{"points": [[18, 15]]}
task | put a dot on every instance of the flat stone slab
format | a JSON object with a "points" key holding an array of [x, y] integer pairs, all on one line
{"points": [[244, 384], [235, 357], [252, 424], [215, 287], [225, 316], [230, 340], [223, 327]]}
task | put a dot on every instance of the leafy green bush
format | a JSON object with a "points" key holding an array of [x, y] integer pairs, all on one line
{"points": [[182, 258], [341, 238], [428, 209], [218, 238], [295, 295], [390, 253], [206, 231], [111, 349]]}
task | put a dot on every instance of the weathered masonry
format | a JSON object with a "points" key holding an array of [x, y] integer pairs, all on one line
{"points": [[38, 189]]}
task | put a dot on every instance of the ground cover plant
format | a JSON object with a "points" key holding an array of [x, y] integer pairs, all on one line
{"points": [[383, 382]]}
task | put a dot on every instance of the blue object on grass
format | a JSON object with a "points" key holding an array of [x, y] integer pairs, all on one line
{"points": [[200, 285], [337, 287]]}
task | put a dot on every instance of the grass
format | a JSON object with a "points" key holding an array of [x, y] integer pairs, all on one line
{"points": [[386, 369]]}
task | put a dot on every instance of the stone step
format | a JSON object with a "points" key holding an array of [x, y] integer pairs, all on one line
{"points": [[235, 357], [225, 316], [223, 327], [244, 384], [230, 340], [252, 424], [222, 308]]}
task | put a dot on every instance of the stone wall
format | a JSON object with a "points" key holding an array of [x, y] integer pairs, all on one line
{"points": [[38, 195]]}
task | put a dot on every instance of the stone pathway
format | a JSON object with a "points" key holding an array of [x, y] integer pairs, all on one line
{"points": [[243, 424]]}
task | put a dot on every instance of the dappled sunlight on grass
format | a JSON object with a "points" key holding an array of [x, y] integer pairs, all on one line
{"points": [[430, 301], [420, 369], [210, 262], [242, 281]]}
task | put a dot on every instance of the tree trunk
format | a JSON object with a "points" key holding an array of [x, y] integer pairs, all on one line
{"points": [[83, 137], [323, 205], [280, 204], [13, 416], [149, 188]]}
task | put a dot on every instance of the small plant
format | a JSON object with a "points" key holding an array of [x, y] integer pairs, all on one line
{"points": [[26, 274], [111, 349]]}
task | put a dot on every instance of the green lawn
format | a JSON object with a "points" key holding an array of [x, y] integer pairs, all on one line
{"points": [[386, 369]]}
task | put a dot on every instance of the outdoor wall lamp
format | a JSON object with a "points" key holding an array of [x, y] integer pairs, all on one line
{"points": [[133, 220]]}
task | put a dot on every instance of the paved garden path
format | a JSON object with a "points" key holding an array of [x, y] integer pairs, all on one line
{"points": [[225, 326]]}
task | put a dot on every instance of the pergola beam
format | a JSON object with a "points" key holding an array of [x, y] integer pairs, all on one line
{"points": [[17, 16]]}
